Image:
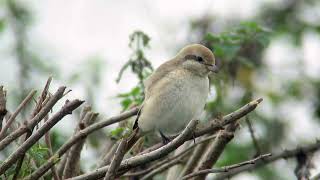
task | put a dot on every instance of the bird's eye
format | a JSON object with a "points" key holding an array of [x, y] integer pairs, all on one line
{"points": [[199, 59]]}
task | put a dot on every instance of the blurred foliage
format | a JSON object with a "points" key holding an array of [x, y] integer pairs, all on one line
{"points": [[35, 157], [139, 64], [134, 97], [239, 50]]}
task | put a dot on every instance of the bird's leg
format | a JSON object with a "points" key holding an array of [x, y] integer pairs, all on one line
{"points": [[194, 137], [165, 139]]}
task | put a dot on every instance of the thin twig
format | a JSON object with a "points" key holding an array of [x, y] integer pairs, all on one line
{"points": [[72, 166], [15, 114], [138, 160], [210, 128], [275, 156], [47, 138], [213, 152], [66, 109], [63, 162], [80, 135], [37, 108], [41, 98], [194, 159], [32, 123], [253, 137], [169, 159], [226, 168], [116, 160], [106, 159], [161, 169]]}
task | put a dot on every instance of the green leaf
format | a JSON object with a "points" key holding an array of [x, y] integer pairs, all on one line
{"points": [[126, 103], [117, 132], [135, 91], [2, 24]]}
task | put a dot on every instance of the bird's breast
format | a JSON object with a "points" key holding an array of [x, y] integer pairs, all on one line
{"points": [[175, 100]]}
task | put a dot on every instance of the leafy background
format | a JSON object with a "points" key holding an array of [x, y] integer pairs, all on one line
{"points": [[104, 50]]}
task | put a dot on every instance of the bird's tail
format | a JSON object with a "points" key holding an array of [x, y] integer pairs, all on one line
{"points": [[133, 138]]}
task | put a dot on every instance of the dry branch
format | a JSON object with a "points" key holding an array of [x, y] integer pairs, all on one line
{"points": [[40, 103], [169, 159], [276, 156], [15, 114], [35, 120], [226, 168], [133, 162], [116, 160], [161, 169], [72, 166], [66, 109], [216, 148], [47, 137], [138, 160], [253, 137], [106, 159], [211, 127], [80, 135], [194, 159]]}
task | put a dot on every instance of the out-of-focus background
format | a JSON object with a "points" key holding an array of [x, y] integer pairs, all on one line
{"points": [[265, 48]]}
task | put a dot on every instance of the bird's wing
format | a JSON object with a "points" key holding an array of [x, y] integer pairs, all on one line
{"points": [[153, 79], [158, 74]]}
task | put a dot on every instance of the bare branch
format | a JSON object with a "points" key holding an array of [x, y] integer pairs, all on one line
{"points": [[161, 169], [36, 110], [66, 109], [15, 114], [116, 161], [138, 160], [47, 137], [194, 159], [253, 137], [169, 159], [105, 160], [209, 128], [41, 98], [276, 156], [72, 167], [80, 135], [226, 168], [232, 117], [216, 148], [32, 123]]}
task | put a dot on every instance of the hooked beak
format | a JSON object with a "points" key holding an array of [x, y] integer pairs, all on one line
{"points": [[213, 68]]}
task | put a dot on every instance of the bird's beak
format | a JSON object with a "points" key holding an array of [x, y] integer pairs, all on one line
{"points": [[213, 68]]}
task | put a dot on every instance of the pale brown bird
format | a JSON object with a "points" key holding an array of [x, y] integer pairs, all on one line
{"points": [[176, 92]]}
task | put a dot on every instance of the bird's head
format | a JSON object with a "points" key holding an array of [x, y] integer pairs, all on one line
{"points": [[198, 59]]}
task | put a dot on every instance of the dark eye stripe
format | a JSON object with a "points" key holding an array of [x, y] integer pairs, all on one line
{"points": [[194, 57], [190, 56]]}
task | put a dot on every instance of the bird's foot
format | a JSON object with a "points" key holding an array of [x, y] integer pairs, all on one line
{"points": [[165, 139], [194, 137]]}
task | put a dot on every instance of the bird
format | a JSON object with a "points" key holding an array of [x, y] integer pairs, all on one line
{"points": [[176, 92]]}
